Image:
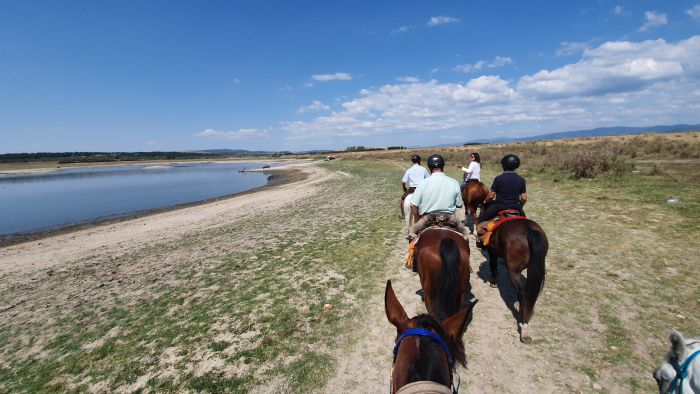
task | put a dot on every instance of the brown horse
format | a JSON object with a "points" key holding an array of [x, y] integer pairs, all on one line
{"points": [[426, 350], [442, 263], [473, 196], [521, 244]]}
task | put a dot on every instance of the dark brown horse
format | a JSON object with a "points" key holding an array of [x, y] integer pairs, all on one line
{"points": [[473, 196], [521, 244], [442, 263], [426, 350]]}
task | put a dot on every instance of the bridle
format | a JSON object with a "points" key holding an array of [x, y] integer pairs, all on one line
{"points": [[435, 337], [681, 372]]}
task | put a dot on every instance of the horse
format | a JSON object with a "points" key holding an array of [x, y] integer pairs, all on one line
{"points": [[426, 350], [473, 195], [680, 371], [521, 244], [408, 214], [442, 263]]}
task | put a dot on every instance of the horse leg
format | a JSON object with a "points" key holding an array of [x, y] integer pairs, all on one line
{"points": [[493, 263], [522, 324]]}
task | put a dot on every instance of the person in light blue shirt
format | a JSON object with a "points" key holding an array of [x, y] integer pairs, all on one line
{"points": [[412, 176], [436, 198]]}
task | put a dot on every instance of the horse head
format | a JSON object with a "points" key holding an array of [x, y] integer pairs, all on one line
{"points": [[426, 350], [679, 373]]}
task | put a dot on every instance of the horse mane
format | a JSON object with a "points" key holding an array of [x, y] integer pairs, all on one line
{"points": [[446, 304], [456, 346]]}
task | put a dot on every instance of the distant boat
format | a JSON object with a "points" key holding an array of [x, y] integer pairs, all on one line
{"points": [[266, 166], [243, 170]]}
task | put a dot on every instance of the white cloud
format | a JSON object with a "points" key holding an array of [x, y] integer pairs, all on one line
{"points": [[314, 106], [233, 135], [441, 20], [236, 81], [498, 61], [408, 79], [619, 10], [572, 48], [403, 29], [619, 82], [653, 19], [616, 67], [694, 12], [332, 77]]}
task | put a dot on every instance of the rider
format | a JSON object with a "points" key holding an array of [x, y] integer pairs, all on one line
{"points": [[509, 191], [436, 198], [413, 175], [473, 172]]}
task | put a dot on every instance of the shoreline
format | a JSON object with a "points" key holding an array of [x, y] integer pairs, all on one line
{"points": [[278, 176], [41, 167]]}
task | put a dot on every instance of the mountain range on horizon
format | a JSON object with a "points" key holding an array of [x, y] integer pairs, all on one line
{"points": [[597, 132]]}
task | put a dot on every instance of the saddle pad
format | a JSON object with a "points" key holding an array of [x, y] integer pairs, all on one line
{"points": [[424, 387], [495, 223]]}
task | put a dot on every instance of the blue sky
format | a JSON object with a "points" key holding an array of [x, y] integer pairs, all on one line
{"points": [[297, 75]]}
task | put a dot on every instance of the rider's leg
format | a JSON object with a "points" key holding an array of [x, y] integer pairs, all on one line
{"points": [[417, 227], [401, 208], [460, 226]]}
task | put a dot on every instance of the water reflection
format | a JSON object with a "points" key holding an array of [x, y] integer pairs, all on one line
{"points": [[32, 202]]}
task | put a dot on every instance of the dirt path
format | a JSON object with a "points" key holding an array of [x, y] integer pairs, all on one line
{"points": [[497, 361]]}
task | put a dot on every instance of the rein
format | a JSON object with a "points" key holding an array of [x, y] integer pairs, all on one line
{"points": [[681, 371], [434, 337]]}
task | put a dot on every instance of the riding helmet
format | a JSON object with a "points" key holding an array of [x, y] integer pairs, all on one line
{"points": [[510, 162], [415, 159], [436, 161]]}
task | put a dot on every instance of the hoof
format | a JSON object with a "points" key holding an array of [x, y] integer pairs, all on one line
{"points": [[526, 339], [493, 285]]}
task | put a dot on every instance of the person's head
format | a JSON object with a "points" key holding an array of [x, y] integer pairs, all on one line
{"points": [[510, 162], [415, 159], [436, 162], [475, 156]]}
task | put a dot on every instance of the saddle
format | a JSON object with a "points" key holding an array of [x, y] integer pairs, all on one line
{"points": [[439, 220], [503, 216]]}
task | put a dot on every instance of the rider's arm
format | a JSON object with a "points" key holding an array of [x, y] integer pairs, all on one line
{"points": [[491, 196], [523, 199]]}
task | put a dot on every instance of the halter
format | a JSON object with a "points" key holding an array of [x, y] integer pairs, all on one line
{"points": [[681, 372], [434, 337]]}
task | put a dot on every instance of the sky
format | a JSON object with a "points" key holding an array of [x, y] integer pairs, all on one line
{"points": [[299, 75]]}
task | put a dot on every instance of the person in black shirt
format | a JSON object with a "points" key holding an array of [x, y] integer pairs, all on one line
{"points": [[508, 189]]}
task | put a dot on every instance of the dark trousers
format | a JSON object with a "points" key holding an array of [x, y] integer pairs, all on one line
{"points": [[492, 210]]}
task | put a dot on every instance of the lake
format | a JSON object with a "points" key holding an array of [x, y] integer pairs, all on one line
{"points": [[47, 201]]}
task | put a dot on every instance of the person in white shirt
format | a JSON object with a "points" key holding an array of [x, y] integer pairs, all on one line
{"points": [[412, 176], [473, 172]]}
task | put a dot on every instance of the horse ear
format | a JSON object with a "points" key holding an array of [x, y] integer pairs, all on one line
{"points": [[678, 349], [457, 323], [394, 311]]}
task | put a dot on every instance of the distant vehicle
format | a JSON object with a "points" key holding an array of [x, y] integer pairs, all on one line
{"points": [[330, 157], [266, 166]]}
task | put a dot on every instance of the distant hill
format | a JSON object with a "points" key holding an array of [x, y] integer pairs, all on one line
{"points": [[597, 132], [243, 152]]}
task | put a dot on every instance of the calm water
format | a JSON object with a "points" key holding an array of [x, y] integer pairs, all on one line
{"points": [[36, 202]]}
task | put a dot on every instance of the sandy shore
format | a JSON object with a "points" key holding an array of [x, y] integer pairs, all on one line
{"points": [[116, 237]]}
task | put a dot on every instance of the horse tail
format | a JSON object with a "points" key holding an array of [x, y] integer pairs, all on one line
{"points": [[537, 242], [447, 303]]}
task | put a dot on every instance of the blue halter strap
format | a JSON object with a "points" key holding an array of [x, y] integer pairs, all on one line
{"points": [[681, 371], [429, 334]]}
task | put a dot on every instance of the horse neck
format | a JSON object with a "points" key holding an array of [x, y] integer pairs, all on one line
{"points": [[693, 380]]}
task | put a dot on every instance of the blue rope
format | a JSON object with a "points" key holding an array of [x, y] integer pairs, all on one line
{"points": [[681, 372]]}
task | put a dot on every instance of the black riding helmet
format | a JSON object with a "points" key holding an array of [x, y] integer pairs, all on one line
{"points": [[510, 162], [415, 159], [436, 161]]}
